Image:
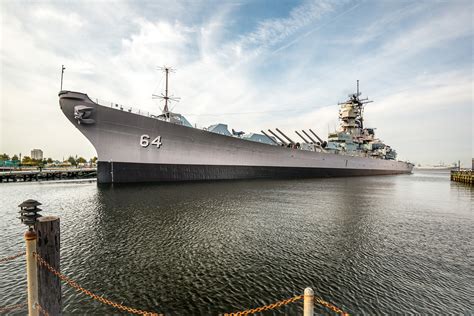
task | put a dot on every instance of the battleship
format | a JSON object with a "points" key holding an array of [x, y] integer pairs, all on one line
{"points": [[140, 147]]}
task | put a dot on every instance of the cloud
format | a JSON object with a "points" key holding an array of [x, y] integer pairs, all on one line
{"points": [[71, 20], [429, 91], [447, 26], [288, 70], [273, 31]]}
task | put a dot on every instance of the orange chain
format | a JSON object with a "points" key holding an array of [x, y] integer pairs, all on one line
{"points": [[9, 308], [132, 310], [12, 257], [285, 302], [330, 306], [101, 299], [267, 307], [41, 310]]}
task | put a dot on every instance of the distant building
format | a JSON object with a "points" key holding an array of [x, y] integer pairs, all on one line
{"points": [[37, 154]]}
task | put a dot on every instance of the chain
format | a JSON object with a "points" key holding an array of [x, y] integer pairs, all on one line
{"points": [[10, 308], [12, 257], [41, 310], [266, 307], [96, 297], [132, 310], [330, 306]]}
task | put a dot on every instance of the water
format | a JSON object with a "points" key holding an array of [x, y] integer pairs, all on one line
{"points": [[370, 245]]}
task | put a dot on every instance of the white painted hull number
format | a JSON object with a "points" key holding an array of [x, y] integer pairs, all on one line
{"points": [[145, 141]]}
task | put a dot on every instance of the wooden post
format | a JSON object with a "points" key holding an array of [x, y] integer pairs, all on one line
{"points": [[308, 304], [48, 245], [31, 272]]}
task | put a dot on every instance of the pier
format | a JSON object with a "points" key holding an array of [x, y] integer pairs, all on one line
{"points": [[464, 176], [47, 174]]}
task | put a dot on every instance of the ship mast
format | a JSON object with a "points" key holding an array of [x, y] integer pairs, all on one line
{"points": [[165, 96], [361, 103]]}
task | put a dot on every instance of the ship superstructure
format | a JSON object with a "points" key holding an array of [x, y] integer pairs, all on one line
{"points": [[133, 147], [352, 137]]}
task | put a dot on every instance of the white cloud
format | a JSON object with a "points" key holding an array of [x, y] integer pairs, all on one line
{"points": [[427, 92], [71, 19], [112, 54], [273, 31], [447, 26]]}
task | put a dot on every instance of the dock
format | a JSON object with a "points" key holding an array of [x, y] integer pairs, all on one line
{"points": [[47, 174], [463, 176]]}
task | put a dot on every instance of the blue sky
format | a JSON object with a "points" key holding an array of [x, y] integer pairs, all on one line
{"points": [[251, 64]]}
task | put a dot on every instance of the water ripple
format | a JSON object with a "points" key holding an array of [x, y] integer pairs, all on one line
{"points": [[375, 245]]}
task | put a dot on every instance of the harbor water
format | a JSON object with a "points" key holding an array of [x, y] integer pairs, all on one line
{"points": [[369, 245]]}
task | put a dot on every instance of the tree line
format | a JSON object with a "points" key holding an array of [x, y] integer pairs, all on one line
{"points": [[27, 160]]}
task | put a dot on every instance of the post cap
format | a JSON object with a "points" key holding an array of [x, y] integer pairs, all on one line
{"points": [[30, 235], [308, 291], [48, 218], [29, 203]]}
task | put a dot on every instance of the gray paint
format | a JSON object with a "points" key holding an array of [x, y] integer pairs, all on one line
{"points": [[116, 137]]}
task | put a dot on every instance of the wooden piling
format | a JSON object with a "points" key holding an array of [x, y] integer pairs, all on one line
{"points": [[48, 248], [464, 176]]}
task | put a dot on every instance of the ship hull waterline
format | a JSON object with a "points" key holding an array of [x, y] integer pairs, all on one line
{"points": [[182, 153]]}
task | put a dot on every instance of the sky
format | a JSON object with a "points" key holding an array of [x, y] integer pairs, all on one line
{"points": [[252, 64]]}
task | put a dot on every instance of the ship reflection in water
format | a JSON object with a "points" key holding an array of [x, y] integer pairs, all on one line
{"points": [[374, 245]]}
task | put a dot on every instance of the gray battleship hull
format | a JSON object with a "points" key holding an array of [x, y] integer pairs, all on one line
{"points": [[188, 154]]}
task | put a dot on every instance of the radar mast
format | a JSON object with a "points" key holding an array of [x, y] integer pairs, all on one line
{"points": [[165, 96]]}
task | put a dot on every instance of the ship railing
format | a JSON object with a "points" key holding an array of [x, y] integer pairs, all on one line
{"points": [[130, 109], [126, 108]]}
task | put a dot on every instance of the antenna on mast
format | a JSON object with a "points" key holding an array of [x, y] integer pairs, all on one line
{"points": [[62, 74], [165, 96], [358, 93]]}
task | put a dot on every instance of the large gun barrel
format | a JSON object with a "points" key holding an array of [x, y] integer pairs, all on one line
{"points": [[269, 137], [285, 136], [320, 140], [309, 136], [281, 140], [301, 137]]}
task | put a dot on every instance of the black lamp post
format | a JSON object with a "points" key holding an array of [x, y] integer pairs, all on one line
{"points": [[29, 212]]}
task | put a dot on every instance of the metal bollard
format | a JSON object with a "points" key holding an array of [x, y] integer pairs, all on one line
{"points": [[28, 215], [31, 272], [308, 304]]}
